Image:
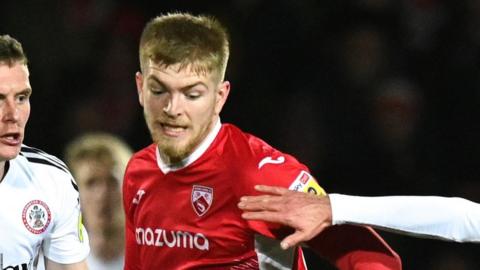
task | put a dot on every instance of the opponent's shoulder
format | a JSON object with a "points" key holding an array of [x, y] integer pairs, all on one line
{"points": [[43, 170], [37, 160]]}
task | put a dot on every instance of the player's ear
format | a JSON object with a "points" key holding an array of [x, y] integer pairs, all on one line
{"points": [[139, 82], [221, 96]]}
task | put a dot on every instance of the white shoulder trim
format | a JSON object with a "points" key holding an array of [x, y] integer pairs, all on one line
{"points": [[38, 156]]}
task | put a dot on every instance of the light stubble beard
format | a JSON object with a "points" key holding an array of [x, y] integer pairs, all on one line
{"points": [[172, 152]]}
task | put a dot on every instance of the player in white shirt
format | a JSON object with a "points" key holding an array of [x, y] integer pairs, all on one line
{"points": [[453, 219], [39, 200]]}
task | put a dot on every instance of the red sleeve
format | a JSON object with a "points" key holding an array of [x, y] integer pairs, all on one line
{"points": [[275, 169], [351, 247], [347, 247]]}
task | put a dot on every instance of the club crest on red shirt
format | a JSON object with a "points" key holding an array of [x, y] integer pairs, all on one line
{"points": [[202, 198]]}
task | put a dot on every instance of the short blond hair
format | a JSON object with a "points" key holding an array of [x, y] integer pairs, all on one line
{"points": [[98, 146], [199, 42]]}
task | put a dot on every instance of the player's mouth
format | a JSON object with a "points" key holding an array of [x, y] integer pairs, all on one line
{"points": [[173, 130], [11, 139]]}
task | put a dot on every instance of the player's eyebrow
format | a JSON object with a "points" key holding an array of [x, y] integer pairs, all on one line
{"points": [[183, 88], [26, 91], [153, 78], [190, 86]]}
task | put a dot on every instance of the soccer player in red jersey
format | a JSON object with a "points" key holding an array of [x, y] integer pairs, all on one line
{"points": [[181, 192]]}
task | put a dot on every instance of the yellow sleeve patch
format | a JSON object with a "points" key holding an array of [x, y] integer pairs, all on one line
{"points": [[306, 183], [80, 227]]}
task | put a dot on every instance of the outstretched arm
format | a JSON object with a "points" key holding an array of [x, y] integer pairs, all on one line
{"points": [[347, 247], [453, 219]]}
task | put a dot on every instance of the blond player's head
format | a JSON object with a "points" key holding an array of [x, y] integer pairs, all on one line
{"points": [[181, 85], [181, 38]]}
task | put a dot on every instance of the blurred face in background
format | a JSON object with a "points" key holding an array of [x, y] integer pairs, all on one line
{"points": [[15, 91], [181, 107], [99, 182]]}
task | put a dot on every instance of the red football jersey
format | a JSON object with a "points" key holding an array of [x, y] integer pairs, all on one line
{"points": [[186, 216]]}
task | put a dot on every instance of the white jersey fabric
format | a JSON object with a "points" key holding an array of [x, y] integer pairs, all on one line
{"points": [[39, 210], [454, 219]]}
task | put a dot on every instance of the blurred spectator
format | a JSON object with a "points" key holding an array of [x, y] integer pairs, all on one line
{"points": [[98, 161], [397, 108], [396, 116]]}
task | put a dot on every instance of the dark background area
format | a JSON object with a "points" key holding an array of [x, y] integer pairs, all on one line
{"points": [[377, 97]]}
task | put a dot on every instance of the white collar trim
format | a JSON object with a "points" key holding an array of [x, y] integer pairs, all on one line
{"points": [[196, 154]]}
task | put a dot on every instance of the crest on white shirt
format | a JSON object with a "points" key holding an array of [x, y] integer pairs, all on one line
{"points": [[202, 198], [36, 216]]}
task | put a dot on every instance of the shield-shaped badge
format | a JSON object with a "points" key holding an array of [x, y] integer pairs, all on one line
{"points": [[36, 216], [202, 198]]}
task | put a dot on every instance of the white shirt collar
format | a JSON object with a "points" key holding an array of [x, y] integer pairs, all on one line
{"points": [[196, 154]]}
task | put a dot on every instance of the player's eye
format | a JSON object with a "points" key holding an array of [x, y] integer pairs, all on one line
{"points": [[22, 98], [192, 95], [157, 90]]}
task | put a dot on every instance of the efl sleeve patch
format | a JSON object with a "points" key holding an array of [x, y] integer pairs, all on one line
{"points": [[80, 227], [306, 183]]}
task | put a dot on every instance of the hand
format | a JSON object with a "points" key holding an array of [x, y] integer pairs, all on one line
{"points": [[307, 213]]}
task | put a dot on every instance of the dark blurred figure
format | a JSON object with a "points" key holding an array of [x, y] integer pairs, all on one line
{"points": [[399, 162]]}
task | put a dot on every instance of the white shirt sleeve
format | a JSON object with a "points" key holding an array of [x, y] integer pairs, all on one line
{"points": [[453, 219], [68, 242]]}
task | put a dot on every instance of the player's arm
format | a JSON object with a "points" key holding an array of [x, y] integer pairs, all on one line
{"points": [[453, 219], [51, 265], [307, 213], [347, 247], [67, 244]]}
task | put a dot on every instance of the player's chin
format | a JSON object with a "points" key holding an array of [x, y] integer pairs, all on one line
{"points": [[9, 152], [176, 150]]}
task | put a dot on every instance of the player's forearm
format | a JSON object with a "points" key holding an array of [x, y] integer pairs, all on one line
{"points": [[447, 218]]}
